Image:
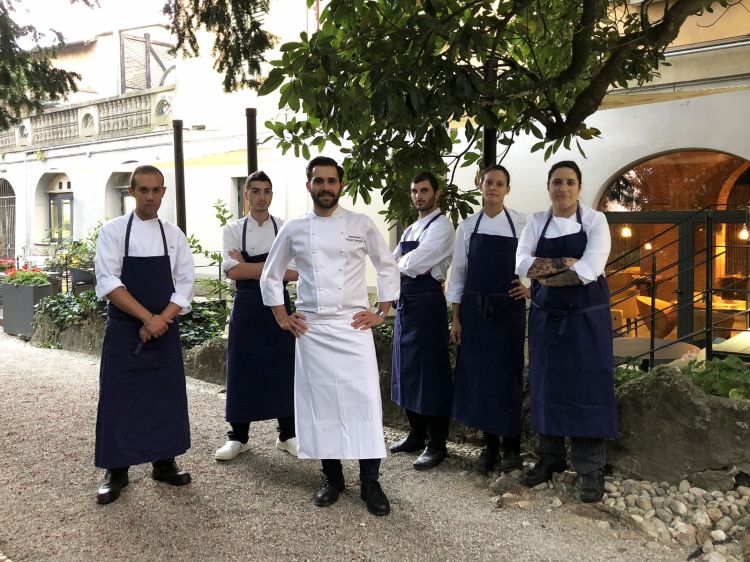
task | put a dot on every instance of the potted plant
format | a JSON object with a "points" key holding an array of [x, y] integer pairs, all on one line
{"points": [[22, 290]]}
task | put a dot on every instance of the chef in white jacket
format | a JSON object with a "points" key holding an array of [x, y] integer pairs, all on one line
{"points": [[337, 403]]}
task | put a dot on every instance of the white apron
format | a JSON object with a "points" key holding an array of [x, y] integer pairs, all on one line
{"points": [[338, 412]]}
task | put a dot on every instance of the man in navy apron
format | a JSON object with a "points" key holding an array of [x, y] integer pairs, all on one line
{"points": [[564, 250], [144, 267], [489, 324], [421, 372], [260, 355]]}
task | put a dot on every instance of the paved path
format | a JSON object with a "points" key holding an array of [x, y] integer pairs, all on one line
{"points": [[256, 508]]}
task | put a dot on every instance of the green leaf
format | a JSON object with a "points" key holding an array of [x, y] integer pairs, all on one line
{"points": [[274, 80]]}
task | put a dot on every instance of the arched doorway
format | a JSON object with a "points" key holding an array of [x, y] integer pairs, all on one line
{"points": [[7, 220], [657, 213], [53, 208]]}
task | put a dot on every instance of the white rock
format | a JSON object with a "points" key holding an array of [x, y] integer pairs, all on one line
{"points": [[718, 535], [714, 514], [685, 528], [525, 524], [698, 491], [509, 495], [708, 546], [649, 514], [556, 502], [677, 507], [702, 520], [743, 491], [525, 504], [644, 503], [609, 487], [685, 539], [713, 557], [684, 486]]}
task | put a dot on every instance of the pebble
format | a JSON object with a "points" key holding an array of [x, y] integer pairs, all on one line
{"points": [[702, 520], [603, 524], [664, 515], [685, 539], [677, 507], [718, 535], [713, 557], [609, 487], [743, 491], [708, 546], [644, 503], [556, 502], [724, 524], [525, 504], [684, 486], [714, 514]]}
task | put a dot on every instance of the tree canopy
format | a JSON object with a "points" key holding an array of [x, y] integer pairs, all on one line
{"points": [[395, 79]]}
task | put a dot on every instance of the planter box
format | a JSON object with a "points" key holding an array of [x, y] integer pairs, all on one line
{"points": [[18, 307]]}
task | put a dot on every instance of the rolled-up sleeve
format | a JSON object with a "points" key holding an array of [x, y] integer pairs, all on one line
{"points": [[107, 262], [183, 273], [389, 279], [598, 246], [436, 245], [458, 267], [229, 242], [526, 248], [272, 278]]}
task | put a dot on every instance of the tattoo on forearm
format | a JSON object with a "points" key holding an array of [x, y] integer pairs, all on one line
{"points": [[544, 267], [563, 279]]}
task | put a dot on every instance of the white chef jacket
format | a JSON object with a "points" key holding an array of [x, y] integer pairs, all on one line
{"points": [[329, 253], [594, 223], [496, 226], [434, 251], [145, 241]]}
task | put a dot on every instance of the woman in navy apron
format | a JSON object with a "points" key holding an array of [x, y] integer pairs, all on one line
{"points": [[142, 413], [570, 335], [489, 324], [260, 360]]}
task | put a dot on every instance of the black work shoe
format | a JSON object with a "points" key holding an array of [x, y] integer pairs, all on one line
{"points": [[486, 460], [408, 444], [430, 458], [542, 472], [169, 473], [374, 497], [510, 462], [329, 493], [592, 487], [109, 491]]}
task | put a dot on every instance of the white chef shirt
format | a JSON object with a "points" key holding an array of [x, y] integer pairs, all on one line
{"points": [[145, 241], [330, 256], [594, 259], [433, 254], [259, 238], [496, 226]]}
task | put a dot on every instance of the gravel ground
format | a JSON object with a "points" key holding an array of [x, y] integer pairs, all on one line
{"points": [[257, 507]]}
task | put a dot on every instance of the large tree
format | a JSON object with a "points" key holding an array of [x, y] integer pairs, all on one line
{"points": [[390, 77]]}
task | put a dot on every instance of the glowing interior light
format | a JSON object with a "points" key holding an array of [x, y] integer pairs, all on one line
{"points": [[648, 246], [744, 234], [626, 232]]}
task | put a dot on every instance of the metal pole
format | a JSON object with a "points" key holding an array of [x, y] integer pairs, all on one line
{"points": [[179, 175], [489, 135], [652, 325], [252, 139], [709, 225]]}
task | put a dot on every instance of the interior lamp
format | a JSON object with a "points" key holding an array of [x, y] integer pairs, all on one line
{"points": [[626, 232], [648, 246], [744, 234]]}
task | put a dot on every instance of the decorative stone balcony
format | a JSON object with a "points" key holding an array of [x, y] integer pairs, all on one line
{"points": [[117, 116]]}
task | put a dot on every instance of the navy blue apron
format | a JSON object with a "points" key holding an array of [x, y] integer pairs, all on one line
{"points": [[421, 370], [570, 350], [489, 366], [142, 414], [260, 360]]}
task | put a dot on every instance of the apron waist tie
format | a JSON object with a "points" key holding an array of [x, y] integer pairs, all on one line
{"points": [[484, 303], [566, 313]]}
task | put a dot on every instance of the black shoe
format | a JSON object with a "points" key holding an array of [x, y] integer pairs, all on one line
{"points": [[430, 458], [486, 460], [542, 472], [168, 472], [592, 487], [408, 444], [510, 462], [109, 491], [374, 497], [329, 493]]}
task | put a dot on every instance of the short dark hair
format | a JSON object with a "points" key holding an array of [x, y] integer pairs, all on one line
{"points": [[259, 175], [565, 164], [324, 161], [496, 168], [145, 170], [426, 176]]}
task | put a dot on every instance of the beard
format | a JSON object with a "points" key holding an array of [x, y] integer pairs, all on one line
{"points": [[316, 197]]}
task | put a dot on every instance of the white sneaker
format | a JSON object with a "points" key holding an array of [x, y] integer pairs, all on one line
{"points": [[290, 445], [230, 450]]}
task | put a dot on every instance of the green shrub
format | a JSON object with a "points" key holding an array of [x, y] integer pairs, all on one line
{"points": [[205, 321], [627, 372], [65, 309], [721, 377], [25, 276]]}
